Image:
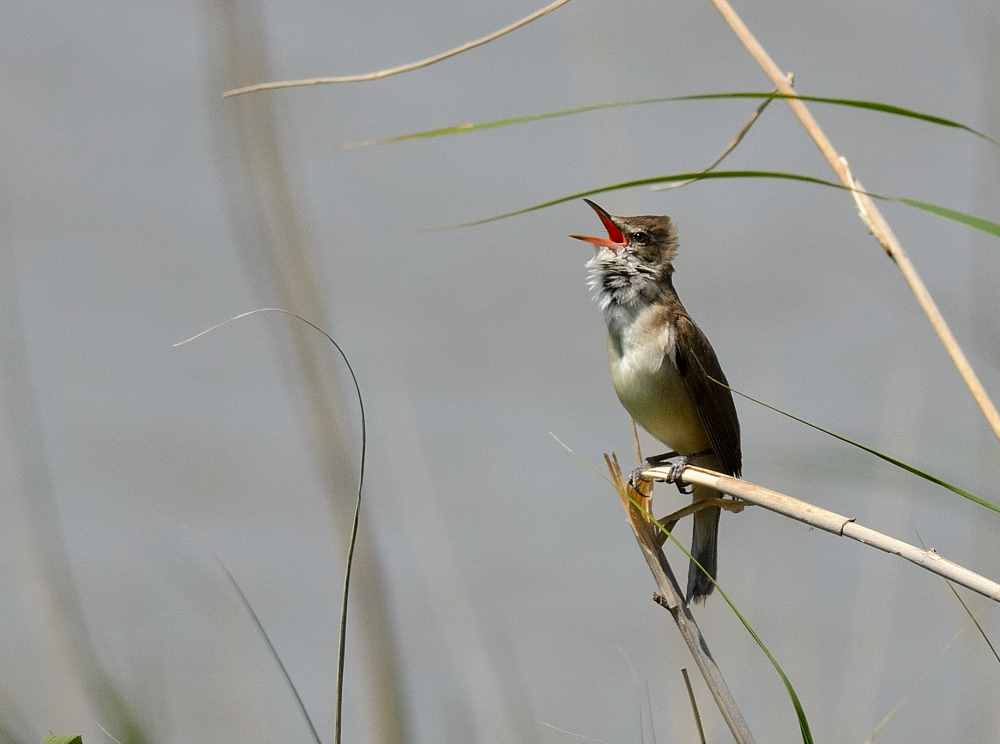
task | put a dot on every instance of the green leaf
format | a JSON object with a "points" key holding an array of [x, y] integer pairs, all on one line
{"points": [[800, 713], [687, 176], [272, 650], [975, 621], [970, 220], [870, 450], [469, 126], [64, 739], [877, 106], [927, 668], [619, 483], [858, 103]]}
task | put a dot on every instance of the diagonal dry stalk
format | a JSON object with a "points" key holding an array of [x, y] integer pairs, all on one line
{"points": [[732, 145], [399, 69], [671, 597], [837, 524], [869, 214]]}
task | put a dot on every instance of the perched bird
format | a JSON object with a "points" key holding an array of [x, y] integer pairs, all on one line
{"points": [[662, 364]]}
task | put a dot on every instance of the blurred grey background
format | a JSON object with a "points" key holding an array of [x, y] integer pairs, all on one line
{"points": [[498, 588]]}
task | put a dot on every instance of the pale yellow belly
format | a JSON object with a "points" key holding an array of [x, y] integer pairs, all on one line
{"points": [[654, 395]]}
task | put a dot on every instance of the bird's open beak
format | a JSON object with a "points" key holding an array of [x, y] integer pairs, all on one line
{"points": [[615, 240]]}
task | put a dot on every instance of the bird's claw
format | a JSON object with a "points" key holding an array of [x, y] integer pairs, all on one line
{"points": [[677, 463], [676, 468], [634, 478]]}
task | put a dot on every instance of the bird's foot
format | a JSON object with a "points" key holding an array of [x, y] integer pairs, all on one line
{"points": [[635, 478], [677, 464]]}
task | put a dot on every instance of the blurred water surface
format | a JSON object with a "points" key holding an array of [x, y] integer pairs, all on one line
{"points": [[497, 585]]}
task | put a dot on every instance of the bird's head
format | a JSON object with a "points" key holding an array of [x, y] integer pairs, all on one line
{"points": [[635, 261]]}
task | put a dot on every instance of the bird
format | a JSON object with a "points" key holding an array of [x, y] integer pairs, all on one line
{"points": [[663, 367]]}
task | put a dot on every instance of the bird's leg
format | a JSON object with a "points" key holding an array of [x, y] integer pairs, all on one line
{"points": [[670, 521], [657, 460], [678, 462]]}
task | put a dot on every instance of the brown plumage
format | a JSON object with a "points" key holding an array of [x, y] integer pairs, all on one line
{"points": [[662, 364]]}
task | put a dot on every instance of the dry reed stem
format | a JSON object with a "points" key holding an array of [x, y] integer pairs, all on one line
{"points": [[869, 213], [399, 69], [837, 524], [672, 599]]}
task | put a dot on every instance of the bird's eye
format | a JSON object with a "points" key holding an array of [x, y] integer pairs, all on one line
{"points": [[641, 237]]}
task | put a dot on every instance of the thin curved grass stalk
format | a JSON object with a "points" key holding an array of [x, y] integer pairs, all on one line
{"points": [[638, 510], [733, 144], [855, 103], [865, 448], [645, 706], [800, 713], [643, 524], [107, 733], [901, 703], [968, 611], [273, 651], [694, 706], [400, 69], [574, 734], [970, 220], [342, 644], [649, 708]]}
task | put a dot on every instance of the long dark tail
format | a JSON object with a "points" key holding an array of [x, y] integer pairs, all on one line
{"points": [[704, 548]]}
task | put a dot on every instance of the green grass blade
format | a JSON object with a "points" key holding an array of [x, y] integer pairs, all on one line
{"points": [[927, 668], [800, 712], [653, 180], [876, 106], [870, 450], [469, 126], [966, 219], [858, 103], [363, 459], [789, 688], [968, 610], [272, 650], [975, 620], [970, 220]]}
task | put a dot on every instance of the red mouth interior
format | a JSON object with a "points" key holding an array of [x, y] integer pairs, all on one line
{"points": [[615, 239]]}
